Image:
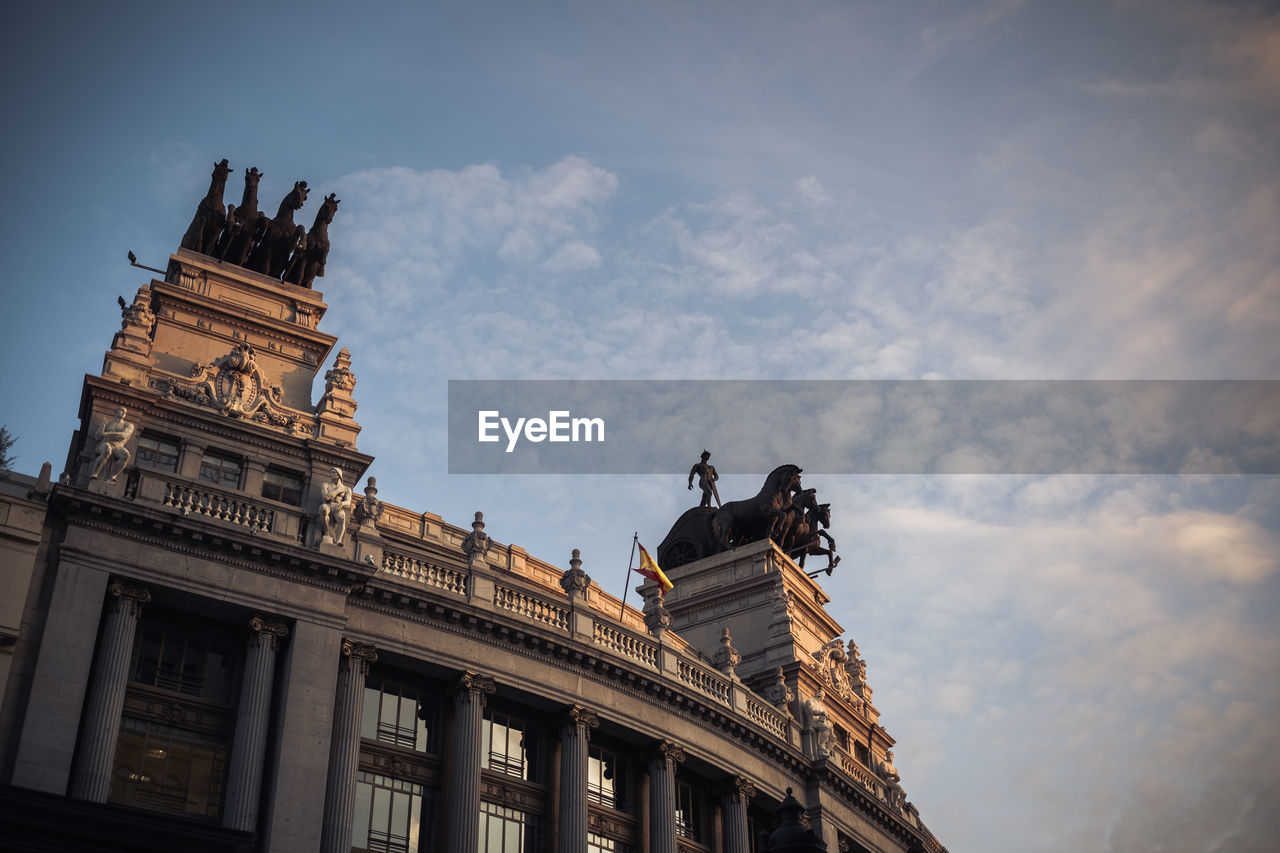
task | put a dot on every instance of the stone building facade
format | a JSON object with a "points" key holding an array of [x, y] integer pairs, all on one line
{"points": [[216, 638]]}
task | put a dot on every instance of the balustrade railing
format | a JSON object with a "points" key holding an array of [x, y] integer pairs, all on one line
{"points": [[713, 685], [626, 644], [530, 607], [767, 718], [192, 500], [420, 571]]}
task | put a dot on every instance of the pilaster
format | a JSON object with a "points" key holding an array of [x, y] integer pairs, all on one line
{"points": [[244, 776], [662, 797], [344, 748], [462, 796], [575, 735]]}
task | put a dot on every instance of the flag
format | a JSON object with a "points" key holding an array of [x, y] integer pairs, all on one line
{"points": [[649, 569]]}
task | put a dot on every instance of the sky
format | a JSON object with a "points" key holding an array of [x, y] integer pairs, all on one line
{"points": [[809, 190]]}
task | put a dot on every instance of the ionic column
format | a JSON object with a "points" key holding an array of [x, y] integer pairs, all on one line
{"points": [[101, 727], [244, 776], [662, 797], [344, 747], [575, 735], [734, 799], [462, 795]]}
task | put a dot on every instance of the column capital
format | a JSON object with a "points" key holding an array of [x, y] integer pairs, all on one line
{"points": [[354, 651], [474, 682], [264, 629], [668, 752], [578, 717], [738, 787], [124, 593]]}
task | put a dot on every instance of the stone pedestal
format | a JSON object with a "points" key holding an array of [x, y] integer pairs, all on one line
{"points": [[101, 728], [575, 735], [662, 797], [344, 748], [462, 803], [244, 775]]}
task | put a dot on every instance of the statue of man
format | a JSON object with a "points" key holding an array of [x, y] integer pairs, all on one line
{"points": [[110, 452], [824, 737], [335, 500], [889, 774], [707, 476]]}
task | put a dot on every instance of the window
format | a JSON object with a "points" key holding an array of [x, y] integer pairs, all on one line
{"points": [[400, 714], [387, 814], [507, 830], [179, 710], [860, 753], [606, 779], [600, 844], [842, 737], [220, 469], [689, 822], [283, 486], [158, 453], [503, 747]]}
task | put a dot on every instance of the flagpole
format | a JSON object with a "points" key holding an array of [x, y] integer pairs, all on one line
{"points": [[635, 537]]}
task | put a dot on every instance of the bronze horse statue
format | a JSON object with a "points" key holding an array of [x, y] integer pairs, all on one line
{"points": [[308, 261], [272, 252], [807, 536], [738, 522], [243, 223], [206, 225]]}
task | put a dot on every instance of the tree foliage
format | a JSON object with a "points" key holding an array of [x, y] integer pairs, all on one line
{"points": [[7, 441]]}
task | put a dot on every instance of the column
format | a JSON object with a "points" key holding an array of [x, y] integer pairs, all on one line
{"points": [[344, 748], [244, 776], [462, 794], [575, 735], [101, 727], [734, 799], [662, 797]]}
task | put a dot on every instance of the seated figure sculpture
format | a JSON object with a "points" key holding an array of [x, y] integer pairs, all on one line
{"points": [[824, 736], [889, 775], [111, 455], [335, 500]]}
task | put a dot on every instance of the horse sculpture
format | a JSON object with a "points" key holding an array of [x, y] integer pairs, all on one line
{"points": [[807, 536], [738, 522], [206, 225], [272, 252], [243, 222], [308, 263]]}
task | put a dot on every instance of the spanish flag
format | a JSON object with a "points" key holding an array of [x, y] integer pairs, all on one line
{"points": [[649, 569]]}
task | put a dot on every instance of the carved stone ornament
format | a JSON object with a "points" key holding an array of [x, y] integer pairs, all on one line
{"points": [[888, 774], [830, 661], [741, 787], [110, 456], [339, 382], [778, 693], [124, 594], [234, 385], [474, 682], [335, 501], [136, 322], [583, 718], [266, 630], [369, 509], [671, 753], [575, 581], [477, 541], [822, 735], [656, 617], [356, 653], [726, 657]]}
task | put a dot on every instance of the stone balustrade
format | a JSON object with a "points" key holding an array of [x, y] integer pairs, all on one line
{"points": [[422, 572], [190, 499]]}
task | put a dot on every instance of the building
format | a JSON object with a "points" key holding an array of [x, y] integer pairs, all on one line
{"points": [[212, 643]]}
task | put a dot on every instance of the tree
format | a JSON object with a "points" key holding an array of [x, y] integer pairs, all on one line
{"points": [[7, 441]]}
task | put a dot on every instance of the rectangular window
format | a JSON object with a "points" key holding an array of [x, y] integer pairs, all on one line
{"points": [[162, 768], [507, 830], [220, 469], [399, 714], [157, 452], [601, 844], [689, 823], [606, 779], [860, 753], [174, 651], [283, 486], [842, 737], [387, 815], [503, 748]]}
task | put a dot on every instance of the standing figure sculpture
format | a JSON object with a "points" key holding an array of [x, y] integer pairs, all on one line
{"points": [[707, 476], [308, 263], [202, 233], [110, 455], [334, 503], [892, 781], [272, 252], [243, 223]]}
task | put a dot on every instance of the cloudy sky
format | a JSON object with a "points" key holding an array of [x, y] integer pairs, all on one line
{"points": [[996, 190]]}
